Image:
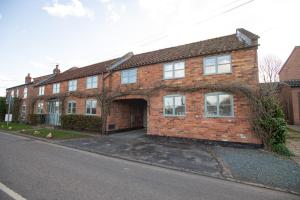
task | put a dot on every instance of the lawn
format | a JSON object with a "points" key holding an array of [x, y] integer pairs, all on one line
{"points": [[14, 126], [56, 133]]}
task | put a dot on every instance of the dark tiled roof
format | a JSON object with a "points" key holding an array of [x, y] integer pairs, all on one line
{"points": [[41, 78], [293, 83], [211, 46]]}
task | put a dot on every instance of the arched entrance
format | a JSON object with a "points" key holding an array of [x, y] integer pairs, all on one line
{"points": [[126, 113]]}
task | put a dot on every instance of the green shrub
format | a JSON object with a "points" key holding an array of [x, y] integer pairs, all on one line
{"points": [[35, 119], [2, 108], [81, 122], [274, 125]]}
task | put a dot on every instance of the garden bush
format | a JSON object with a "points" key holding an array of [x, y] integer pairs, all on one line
{"points": [[2, 108], [273, 124], [35, 119], [81, 122]]}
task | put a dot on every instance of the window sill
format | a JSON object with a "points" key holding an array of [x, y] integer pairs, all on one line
{"points": [[225, 73]]}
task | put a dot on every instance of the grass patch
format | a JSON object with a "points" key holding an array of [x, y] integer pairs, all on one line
{"points": [[56, 134], [14, 126]]}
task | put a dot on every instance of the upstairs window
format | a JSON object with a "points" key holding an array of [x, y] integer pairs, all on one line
{"points": [[128, 76], [41, 90], [72, 85], [12, 93], [91, 82], [174, 70], [218, 105], [56, 88], [71, 107], [17, 94], [91, 106], [217, 64], [40, 108], [174, 105], [25, 92]]}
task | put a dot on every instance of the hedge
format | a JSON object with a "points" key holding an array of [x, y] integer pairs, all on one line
{"points": [[35, 119], [81, 122], [2, 108]]}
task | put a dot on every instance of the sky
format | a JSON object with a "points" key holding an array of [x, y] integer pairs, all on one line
{"points": [[37, 35]]}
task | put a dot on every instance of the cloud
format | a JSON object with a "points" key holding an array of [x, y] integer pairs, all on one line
{"points": [[1, 16], [114, 11], [74, 8]]}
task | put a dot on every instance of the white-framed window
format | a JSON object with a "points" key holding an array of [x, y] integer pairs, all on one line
{"points": [[91, 106], [174, 105], [17, 93], [220, 64], [174, 70], [56, 88], [71, 107], [40, 108], [92, 82], [219, 104], [12, 93], [72, 85], [41, 90], [25, 92], [128, 76]]}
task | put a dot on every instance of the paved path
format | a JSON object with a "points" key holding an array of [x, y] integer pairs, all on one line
{"points": [[38, 170]]}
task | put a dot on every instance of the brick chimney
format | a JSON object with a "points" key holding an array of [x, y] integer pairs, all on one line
{"points": [[28, 79], [56, 70]]}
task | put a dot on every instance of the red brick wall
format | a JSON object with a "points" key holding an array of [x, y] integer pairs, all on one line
{"points": [[296, 106]]}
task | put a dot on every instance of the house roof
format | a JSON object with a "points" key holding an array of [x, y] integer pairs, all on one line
{"points": [[293, 59], [211, 46], [293, 83], [36, 80]]}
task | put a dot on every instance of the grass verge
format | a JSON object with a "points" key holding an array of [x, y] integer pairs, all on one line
{"points": [[14, 126], [55, 134]]}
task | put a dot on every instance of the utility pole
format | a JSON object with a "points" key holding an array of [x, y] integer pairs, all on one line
{"points": [[8, 111]]}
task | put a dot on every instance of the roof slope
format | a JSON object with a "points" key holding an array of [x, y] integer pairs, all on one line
{"points": [[205, 47], [293, 59]]}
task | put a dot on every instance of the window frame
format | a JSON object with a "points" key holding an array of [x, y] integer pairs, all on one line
{"points": [[128, 70], [173, 70], [74, 85], [218, 105], [56, 88], [87, 82], [216, 64], [72, 107], [41, 90], [173, 109], [86, 104]]}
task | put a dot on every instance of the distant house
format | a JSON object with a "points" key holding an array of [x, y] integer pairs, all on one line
{"points": [[290, 74], [203, 114]]}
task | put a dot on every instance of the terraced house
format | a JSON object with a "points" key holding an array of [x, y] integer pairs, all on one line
{"points": [[154, 90]]}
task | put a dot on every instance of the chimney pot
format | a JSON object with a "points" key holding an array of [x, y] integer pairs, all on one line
{"points": [[56, 70], [28, 79]]}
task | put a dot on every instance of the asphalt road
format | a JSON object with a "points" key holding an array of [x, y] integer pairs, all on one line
{"points": [[38, 170]]}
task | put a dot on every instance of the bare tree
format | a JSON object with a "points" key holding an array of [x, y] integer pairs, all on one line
{"points": [[269, 68]]}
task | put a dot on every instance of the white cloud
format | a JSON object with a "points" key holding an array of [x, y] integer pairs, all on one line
{"points": [[114, 11], [74, 8]]}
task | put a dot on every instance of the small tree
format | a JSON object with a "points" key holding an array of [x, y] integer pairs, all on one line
{"points": [[2, 108]]}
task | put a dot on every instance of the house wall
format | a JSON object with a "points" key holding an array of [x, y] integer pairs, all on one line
{"points": [[194, 124]]}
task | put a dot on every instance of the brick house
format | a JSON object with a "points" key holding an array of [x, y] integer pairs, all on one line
{"points": [[218, 115], [290, 74]]}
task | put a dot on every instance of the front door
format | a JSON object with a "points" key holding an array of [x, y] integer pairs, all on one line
{"points": [[54, 113]]}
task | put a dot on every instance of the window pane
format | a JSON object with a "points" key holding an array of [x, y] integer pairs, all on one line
{"points": [[210, 69], [209, 61], [211, 100], [179, 73], [179, 110], [211, 110], [168, 104], [168, 110], [168, 74], [125, 79], [168, 67], [179, 65], [93, 111], [224, 99], [225, 110], [224, 59], [224, 68]]}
